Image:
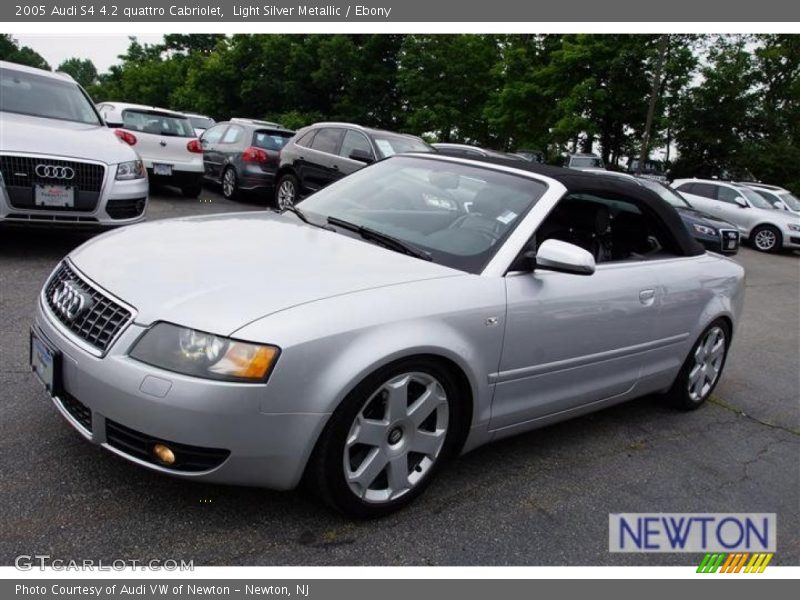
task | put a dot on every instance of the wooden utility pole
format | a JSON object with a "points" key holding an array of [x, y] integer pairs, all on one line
{"points": [[663, 44]]}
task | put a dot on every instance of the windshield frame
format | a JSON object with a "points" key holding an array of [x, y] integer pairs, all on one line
{"points": [[475, 264], [63, 82], [668, 191]]}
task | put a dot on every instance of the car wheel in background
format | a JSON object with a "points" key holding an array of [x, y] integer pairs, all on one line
{"points": [[192, 190], [286, 192], [230, 184], [387, 439], [702, 369], [766, 238]]}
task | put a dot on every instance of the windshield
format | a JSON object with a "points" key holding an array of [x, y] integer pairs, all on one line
{"points": [[459, 214], [201, 122], [158, 123], [47, 97], [389, 145], [271, 140], [790, 200], [755, 199], [586, 162], [665, 193]]}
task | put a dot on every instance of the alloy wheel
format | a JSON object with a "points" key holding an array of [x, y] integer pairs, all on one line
{"points": [[229, 183], [708, 358], [396, 437], [765, 240], [286, 193]]}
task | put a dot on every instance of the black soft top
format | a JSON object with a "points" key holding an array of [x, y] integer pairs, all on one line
{"points": [[587, 182]]}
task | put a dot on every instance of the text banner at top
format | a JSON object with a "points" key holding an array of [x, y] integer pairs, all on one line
{"points": [[399, 11]]}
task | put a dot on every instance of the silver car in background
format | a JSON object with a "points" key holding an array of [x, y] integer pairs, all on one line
{"points": [[59, 163], [412, 311]]}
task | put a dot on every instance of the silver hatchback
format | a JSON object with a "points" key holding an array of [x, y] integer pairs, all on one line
{"points": [[412, 311]]}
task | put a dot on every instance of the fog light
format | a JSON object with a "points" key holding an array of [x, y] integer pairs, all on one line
{"points": [[164, 454]]}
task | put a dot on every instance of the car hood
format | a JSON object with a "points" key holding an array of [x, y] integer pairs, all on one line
{"points": [[220, 272], [692, 215], [37, 135]]}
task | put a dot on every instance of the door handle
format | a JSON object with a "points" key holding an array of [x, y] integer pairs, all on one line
{"points": [[647, 297], [335, 167]]}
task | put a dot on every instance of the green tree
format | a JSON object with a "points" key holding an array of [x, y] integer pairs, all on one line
{"points": [[11, 51], [81, 70]]}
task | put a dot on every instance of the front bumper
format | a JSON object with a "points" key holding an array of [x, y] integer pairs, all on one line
{"points": [[727, 241], [118, 203], [259, 449]]}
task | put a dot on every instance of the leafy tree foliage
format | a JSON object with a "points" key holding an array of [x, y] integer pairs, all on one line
{"points": [[11, 51], [81, 70]]}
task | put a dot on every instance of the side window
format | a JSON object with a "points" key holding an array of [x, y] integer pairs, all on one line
{"points": [[353, 140], [611, 228], [233, 135], [706, 190], [306, 139], [726, 194], [328, 140], [686, 187], [213, 135]]}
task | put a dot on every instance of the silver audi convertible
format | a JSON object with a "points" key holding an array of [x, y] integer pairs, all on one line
{"points": [[412, 311]]}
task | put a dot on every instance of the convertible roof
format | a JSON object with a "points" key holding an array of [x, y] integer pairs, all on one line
{"points": [[588, 182]]}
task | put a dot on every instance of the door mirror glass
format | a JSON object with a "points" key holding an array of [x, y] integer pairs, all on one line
{"points": [[555, 255]]}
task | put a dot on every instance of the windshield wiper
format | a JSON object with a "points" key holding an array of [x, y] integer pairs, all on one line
{"points": [[302, 216], [385, 240]]}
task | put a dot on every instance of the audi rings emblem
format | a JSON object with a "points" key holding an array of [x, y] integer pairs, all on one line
{"points": [[54, 172], [70, 301]]}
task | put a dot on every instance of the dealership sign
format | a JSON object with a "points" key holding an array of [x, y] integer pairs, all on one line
{"points": [[691, 532]]}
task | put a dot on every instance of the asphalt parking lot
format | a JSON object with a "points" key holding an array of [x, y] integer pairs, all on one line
{"points": [[542, 498]]}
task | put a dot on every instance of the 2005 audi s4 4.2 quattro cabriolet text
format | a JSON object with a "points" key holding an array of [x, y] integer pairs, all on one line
{"points": [[412, 311]]}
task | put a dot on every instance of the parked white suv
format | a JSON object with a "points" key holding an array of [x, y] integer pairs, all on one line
{"points": [[59, 164], [777, 196], [165, 140], [768, 229]]}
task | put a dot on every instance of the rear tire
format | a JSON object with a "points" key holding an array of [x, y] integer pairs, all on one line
{"points": [[702, 369], [230, 184], [766, 238], [286, 192], [386, 441]]}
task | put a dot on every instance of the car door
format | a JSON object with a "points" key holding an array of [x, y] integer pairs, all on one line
{"points": [[229, 146], [353, 141], [212, 158], [321, 163], [573, 340], [734, 208]]}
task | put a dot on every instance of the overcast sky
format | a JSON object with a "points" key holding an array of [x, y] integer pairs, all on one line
{"points": [[102, 50]]}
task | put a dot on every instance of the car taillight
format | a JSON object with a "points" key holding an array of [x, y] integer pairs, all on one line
{"points": [[194, 146], [253, 154], [126, 136]]}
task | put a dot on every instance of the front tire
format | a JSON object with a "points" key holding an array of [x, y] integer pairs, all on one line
{"points": [[702, 369], [388, 438], [287, 192], [766, 238]]}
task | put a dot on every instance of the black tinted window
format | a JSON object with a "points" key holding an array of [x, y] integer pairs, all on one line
{"points": [[706, 190], [306, 139], [213, 135], [328, 140], [354, 140], [271, 140]]}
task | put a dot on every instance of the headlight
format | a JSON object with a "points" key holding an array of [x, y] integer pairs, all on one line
{"points": [[205, 355], [704, 230], [793, 227], [133, 169]]}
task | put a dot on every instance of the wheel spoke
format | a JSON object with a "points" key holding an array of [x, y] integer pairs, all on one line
{"points": [[427, 442], [718, 350], [700, 354], [397, 398], [368, 432], [373, 464], [423, 406], [398, 474]]}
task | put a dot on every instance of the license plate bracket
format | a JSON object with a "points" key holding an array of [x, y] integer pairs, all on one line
{"points": [[55, 196], [162, 169], [45, 362]]}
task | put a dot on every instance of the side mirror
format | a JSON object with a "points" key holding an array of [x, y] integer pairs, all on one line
{"points": [[361, 156], [555, 255], [741, 202]]}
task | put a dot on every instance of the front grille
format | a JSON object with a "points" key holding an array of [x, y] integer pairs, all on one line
{"points": [[125, 209], [55, 219], [20, 171], [730, 239], [79, 411], [140, 445], [100, 324]]}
